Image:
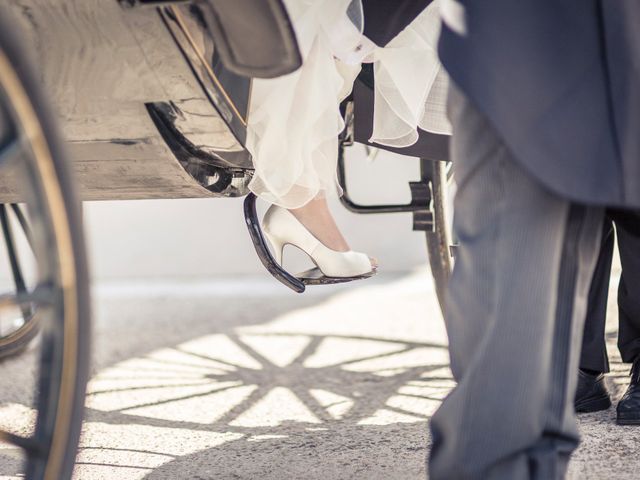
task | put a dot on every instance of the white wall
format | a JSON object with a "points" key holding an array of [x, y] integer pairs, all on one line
{"points": [[207, 237]]}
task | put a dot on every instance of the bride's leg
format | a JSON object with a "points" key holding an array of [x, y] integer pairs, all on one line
{"points": [[317, 218]]}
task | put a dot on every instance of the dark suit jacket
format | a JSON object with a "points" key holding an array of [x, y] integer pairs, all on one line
{"points": [[560, 81]]}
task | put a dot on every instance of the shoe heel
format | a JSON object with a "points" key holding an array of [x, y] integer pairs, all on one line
{"points": [[276, 244]]}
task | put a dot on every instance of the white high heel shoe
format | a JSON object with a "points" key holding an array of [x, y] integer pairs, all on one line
{"points": [[282, 228]]}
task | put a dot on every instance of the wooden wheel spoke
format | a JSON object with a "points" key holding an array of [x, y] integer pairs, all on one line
{"points": [[24, 224], [43, 295], [10, 244]]}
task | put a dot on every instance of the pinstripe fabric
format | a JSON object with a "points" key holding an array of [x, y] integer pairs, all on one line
{"points": [[516, 306]]}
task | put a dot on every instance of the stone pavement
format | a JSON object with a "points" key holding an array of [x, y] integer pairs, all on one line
{"points": [[244, 380]]}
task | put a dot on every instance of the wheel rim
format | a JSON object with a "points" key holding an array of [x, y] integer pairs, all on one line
{"points": [[56, 296], [439, 241]]}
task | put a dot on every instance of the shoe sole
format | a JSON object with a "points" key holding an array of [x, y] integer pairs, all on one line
{"points": [[628, 421], [593, 405]]}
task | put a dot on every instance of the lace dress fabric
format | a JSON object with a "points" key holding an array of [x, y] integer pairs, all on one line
{"points": [[295, 120]]}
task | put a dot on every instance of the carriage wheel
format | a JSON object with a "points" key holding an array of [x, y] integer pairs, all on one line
{"points": [[439, 241], [55, 297]]}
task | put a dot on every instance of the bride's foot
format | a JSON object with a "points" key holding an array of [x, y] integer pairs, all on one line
{"points": [[313, 230], [316, 217]]}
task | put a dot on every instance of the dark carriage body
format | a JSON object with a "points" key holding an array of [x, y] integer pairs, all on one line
{"points": [[147, 107]]}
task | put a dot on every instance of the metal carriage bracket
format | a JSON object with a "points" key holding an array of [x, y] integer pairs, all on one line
{"points": [[420, 205]]}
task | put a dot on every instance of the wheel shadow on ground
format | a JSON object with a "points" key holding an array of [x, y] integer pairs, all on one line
{"points": [[341, 386], [297, 419]]}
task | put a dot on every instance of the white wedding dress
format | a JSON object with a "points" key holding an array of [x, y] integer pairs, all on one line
{"points": [[294, 120]]}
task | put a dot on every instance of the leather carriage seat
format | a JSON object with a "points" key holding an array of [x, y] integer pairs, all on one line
{"points": [[254, 38]]}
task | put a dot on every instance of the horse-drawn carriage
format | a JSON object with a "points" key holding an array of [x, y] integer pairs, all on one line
{"points": [[152, 99]]}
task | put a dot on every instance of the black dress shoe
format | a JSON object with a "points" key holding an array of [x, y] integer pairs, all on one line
{"points": [[629, 404], [592, 394]]}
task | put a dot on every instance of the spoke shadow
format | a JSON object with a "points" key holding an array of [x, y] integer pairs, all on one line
{"points": [[301, 400], [371, 405]]}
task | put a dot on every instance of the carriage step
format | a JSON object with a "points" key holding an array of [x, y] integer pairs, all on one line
{"points": [[297, 283], [314, 276], [151, 3]]}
